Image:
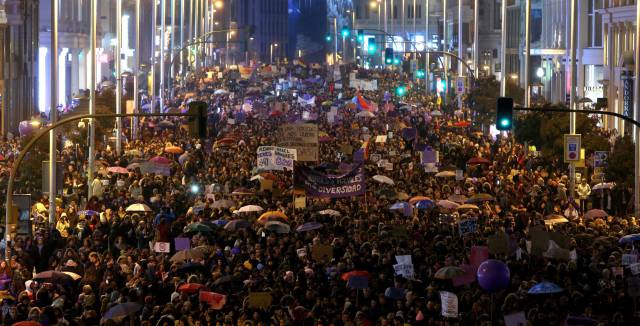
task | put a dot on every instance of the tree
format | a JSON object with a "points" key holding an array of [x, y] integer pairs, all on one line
{"points": [[483, 97], [620, 165]]}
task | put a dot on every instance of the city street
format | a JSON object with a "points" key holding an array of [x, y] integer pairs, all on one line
{"points": [[330, 162]]}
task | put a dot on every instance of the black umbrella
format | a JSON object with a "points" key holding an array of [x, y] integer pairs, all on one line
{"points": [[192, 268], [53, 276], [224, 280], [122, 310]]}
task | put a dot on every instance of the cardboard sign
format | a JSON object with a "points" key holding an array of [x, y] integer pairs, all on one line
{"points": [[628, 259], [163, 247], [388, 166], [300, 202], [301, 137], [182, 243], [322, 252], [516, 319], [449, 302], [499, 243], [259, 300], [459, 175]]}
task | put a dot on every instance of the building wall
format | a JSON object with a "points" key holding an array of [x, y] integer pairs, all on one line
{"points": [[270, 19]]}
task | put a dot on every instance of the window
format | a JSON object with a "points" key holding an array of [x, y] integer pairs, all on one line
{"points": [[594, 24], [410, 12], [419, 11], [497, 14], [395, 12]]}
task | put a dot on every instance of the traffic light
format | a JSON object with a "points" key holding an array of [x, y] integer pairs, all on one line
{"points": [[372, 47], [345, 31], [419, 74], [388, 56], [328, 38], [401, 90], [198, 119], [504, 114], [360, 36], [396, 61]]}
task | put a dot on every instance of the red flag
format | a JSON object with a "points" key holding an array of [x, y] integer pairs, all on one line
{"points": [[216, 300]]}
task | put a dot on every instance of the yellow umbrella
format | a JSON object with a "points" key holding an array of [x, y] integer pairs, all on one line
{"points": [[468, 206], [173, 150], [73, 275], [272, 216], [416, 199]]}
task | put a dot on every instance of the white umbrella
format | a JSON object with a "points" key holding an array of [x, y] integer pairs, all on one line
{"points": [[383, 179], [435, 113], [365, 114], [603, 185], [447, 204], [138, 208], [329, 212], [257, 177], [220, 92], [250, 209]]}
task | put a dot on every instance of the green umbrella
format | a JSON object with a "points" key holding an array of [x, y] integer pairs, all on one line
{"points": [[197, 228]]}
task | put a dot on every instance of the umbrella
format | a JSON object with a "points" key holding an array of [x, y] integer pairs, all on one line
{"points": [[416, 199], [192, 288], [545, 288], [138, 208], [555, 219], [346, 276], [223, 280], [187, 254], [595, 213], [160, 160], [242, 192], [402, 206], [27, 323], [173, 150], [394, 293], [197, 228], [165, 124], [365, 114], [192, 268], [220, 222], [250, 209], [449, 272], [277, 227], [309, 226], [4, 295], [272, 216], [223, 203], [630, 238], [330, 212], [117, 169], [73, 275], [458, 198], [235, 225], [122, 310], [425, 204], [446, 174], [220, 92], [447, 204], [133, 166], [435, 113], [383, 179], [468, 206], [88, 212], [478, 160], [326, 103], [478, 198], [603, 185], [52, 276]]}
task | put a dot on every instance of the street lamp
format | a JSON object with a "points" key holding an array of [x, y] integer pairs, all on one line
{"points": [[271, 51], [218, 4]]}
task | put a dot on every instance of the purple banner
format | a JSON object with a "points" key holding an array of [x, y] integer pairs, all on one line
{"points": [[318, 183]]}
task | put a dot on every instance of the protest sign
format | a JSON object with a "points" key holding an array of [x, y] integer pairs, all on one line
{"points": [[163, 247], [300, 202], [449, 302], [301, 137], [319, 183], [182, 243], [275, 158], [404, 259], [467, 226], [259, 300], [405, 270]]}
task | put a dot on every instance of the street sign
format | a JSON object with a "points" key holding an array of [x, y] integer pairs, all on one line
{"points": [[460, 86], [600, 159], [572, 147]]}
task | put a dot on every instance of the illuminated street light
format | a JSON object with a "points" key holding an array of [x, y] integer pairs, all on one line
{"points": [[540, 72], [218, 4]]}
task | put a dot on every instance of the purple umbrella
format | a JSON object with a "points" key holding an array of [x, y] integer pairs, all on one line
{"points": [[309, 226]]}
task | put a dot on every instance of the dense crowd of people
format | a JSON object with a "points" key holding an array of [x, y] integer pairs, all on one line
{"points": [[173, 233]]}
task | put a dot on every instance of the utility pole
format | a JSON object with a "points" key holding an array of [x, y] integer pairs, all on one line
{"points": [[92, 96], [527, 53], [476, 46], [572, 99], [426, 42], [503, 49], [636, 97], [136, 76], [119, 76]]}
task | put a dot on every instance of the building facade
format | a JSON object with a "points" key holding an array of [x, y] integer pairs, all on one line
{"points": [[270, 39], [18, 54]]}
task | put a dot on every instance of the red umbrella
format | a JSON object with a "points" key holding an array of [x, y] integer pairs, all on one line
{"points": [[275, 113], [160, 160], [192, 288], [346, 276], [462, 124], [478, 160], [117, 169], [27, 323]]}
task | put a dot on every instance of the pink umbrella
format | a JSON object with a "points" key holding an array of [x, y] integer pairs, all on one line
{"points": [[117, 169], [160, 160]]}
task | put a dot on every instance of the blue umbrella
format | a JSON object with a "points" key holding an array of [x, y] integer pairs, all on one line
{"points": [[358, 282], [629, 238], [425, 204], [545, 288], [220, 222], [394, 293], [88, 212], [309, 226], [122, 310]]}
